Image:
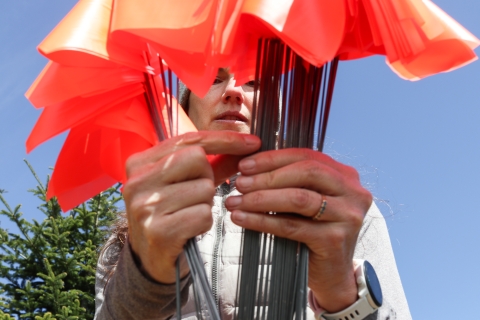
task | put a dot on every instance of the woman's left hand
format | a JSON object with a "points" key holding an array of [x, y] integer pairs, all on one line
{"points": [[298, 180]]}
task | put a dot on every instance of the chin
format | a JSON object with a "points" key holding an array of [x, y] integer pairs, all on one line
{"points": [[235, 126]]}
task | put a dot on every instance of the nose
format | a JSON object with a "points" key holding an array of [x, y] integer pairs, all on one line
{"points": [[233, 93]]}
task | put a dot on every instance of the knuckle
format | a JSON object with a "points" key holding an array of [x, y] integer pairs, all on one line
{"points": [[131, 187], [138, 213], [356, 219], [301, 199], [167, 162], [367, 199], [336, 239], [267, 158], [132, 163], [270, 178], [256, 198], [180, 154], [352, 172], [289, 228], [364, 199], [205, 217], [358, 211], [230, 139], [207, 184], [196, 151], [311, 168], [207, 187], [194, 155]]}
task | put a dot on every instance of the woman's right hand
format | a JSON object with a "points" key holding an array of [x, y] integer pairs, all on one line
{"points": [[169, 194]]}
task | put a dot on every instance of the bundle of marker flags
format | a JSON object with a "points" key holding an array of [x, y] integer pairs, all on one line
{"points": [[114, 68]]}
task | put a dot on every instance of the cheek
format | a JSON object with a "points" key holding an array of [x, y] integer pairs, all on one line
{"points": [[249, 100]]}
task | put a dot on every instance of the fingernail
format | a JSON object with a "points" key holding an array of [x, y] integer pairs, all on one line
{"points": [[233, 201], [238, 215], [247, 164], [244, 182], [250, 139]]}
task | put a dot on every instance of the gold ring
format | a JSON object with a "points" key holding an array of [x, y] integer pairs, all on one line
{"points": [[323, 206]]}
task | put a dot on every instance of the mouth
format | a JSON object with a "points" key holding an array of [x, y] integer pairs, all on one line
{"points": [[231, 116]]}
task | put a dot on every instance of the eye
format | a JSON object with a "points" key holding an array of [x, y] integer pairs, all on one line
{"points": [[217, 80], [251, 83]]}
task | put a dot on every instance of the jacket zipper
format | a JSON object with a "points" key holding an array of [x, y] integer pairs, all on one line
{"points": [[217, 249]]}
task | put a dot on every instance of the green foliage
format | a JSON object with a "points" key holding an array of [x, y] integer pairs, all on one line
{"points": [[47, 269]]}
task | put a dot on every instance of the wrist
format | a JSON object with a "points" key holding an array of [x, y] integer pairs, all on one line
{"points": [[335, 295], [165, 274]]}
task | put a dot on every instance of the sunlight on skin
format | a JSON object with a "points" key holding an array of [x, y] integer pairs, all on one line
{"points": [[154, 198], [149, 220], [168, 162], [188, 139]]}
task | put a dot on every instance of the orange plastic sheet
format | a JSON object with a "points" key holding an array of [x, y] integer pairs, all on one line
{"points": [[416, 36], [183, 32], [102, 51], [82, 38], [102, 103], [196, 37], [283, 19], [105, 129]]}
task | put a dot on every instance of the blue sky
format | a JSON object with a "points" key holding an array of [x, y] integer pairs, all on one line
{"points": [[416, 146]]}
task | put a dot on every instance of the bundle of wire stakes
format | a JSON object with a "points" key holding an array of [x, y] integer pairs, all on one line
{"points": [[291, 105], [164, 114], [292, 100]]}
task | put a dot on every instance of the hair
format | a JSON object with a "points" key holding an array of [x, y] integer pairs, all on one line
{"points": [[119, 230], [110, 252], [184, 96]]}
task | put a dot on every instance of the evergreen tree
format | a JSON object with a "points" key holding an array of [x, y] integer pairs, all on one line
{"points": [[47, 269]]}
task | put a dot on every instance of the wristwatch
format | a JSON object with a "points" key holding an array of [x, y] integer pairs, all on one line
{"points": [[369, 295]]}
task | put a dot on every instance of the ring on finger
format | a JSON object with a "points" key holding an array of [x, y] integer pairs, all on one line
{"points": [[320, 212]]}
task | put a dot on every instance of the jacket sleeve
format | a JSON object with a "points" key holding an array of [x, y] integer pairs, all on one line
{"points": [[127, 294], [374, 245]]}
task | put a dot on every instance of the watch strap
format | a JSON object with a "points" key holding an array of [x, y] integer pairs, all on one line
{"points": [[361, 309]]}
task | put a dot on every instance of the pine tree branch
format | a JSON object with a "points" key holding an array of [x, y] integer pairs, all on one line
{"points": [[35, 175]]}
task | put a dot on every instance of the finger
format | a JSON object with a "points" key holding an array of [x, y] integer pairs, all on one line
{"points": [[186, 164], [165, 237], [183, 225], [288, 227], [224, 142], [165, 201], [300, 201], [316, 235], [308, 174], [271, 160]]}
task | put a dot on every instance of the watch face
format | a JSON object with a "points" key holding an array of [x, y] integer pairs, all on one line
{"points": [[373, 284]]}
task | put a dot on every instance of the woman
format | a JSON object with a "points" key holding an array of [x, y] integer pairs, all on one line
{"points": [[171, 196]]}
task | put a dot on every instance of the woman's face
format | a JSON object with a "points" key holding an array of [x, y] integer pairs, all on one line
{"points": [[226, 106]]}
